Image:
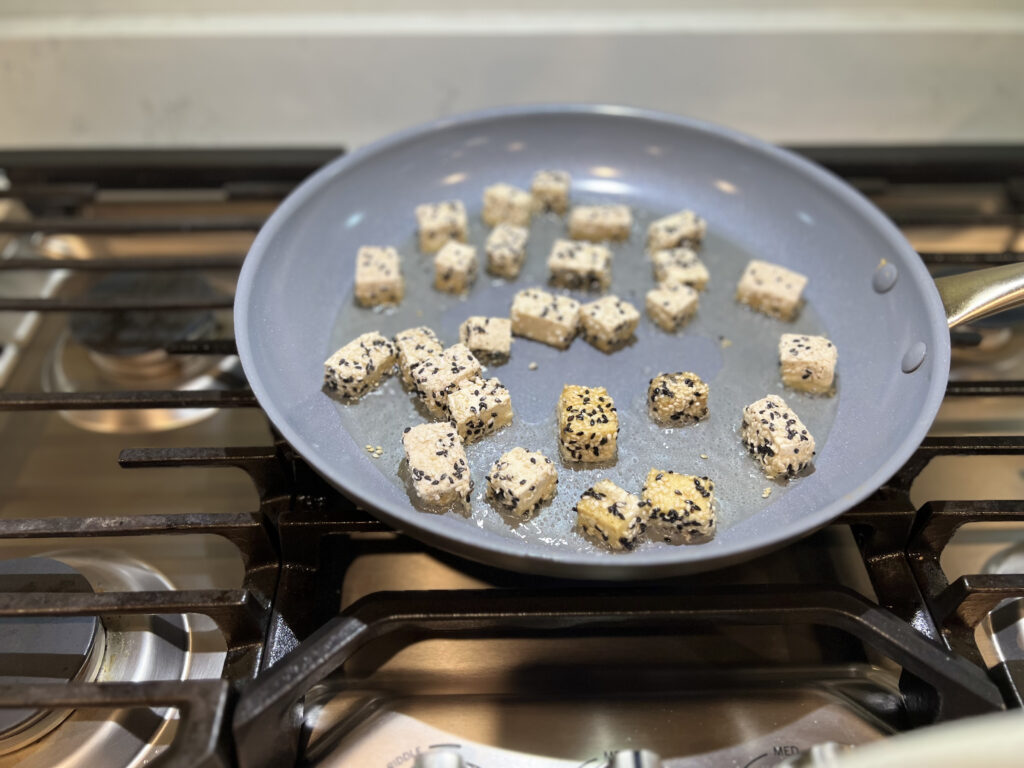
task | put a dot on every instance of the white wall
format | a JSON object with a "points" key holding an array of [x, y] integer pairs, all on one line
{"points": [[156, 72]]}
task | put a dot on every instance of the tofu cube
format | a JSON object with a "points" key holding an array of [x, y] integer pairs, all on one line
{"points": [[550, 191], [609, 322], [478, 408], [378, 276], [610, 516], [776, 437], [680, 266], [521, 481], [680, 508], [506, 250], [441, 222], [505, 204], [675, 399], [437, 376], [807, 363], [437, 465], [600, 222], [771, 289], [670, 306], [544, 317], [415, 345], [455, 267], [685, 228], [580, 265], [359, 366], [489, 338], [588, 424]]}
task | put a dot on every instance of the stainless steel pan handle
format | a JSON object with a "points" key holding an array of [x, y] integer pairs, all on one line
{"points": [[981, 293]]}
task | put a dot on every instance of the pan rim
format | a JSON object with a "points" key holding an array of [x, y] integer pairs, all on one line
{"points": [[492, 549]]}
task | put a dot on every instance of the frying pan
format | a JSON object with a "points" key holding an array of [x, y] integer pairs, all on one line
{"points": [[868, 291]]}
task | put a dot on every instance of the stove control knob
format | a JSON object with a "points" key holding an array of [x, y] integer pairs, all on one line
{"points": [[439, 758], [827, 755], [635, 758]]}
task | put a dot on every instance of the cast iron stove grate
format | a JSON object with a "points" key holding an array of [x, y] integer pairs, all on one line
{"points": [[282, 628]]}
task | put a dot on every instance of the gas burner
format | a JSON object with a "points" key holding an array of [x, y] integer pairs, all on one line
{"points": [[118, 350], [52, 650], [1001, 634], [129, 333], [124, 649], [758, 721]]}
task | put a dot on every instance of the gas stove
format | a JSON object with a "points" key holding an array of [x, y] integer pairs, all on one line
{"points": [[178, 587]]}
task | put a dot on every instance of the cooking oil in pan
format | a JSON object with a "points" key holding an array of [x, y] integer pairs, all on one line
{"points": [[731, 347]]}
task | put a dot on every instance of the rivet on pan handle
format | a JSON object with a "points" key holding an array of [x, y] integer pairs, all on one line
{"points": [[982, 292]]}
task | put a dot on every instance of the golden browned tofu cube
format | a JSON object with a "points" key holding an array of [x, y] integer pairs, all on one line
{"points": [[588, 424], [680, 508]]}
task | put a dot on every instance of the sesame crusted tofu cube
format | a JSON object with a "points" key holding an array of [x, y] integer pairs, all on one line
{"points": [[807, 363], [609, 322], [359, 366], [670, 306], [680, 266], [437, 376], [441, 222], [544, 317], [588, 424], [680, 508], [415, 345], [550, 191], [455, 267], [771, 289], [505, 204], [489, 338], [683, 228], [437, 464], [378, 276], [674, 399], [506, 250], [776, 437], [521, 481], [610, 516], [478, 408], [600, 222], [580, 265]]}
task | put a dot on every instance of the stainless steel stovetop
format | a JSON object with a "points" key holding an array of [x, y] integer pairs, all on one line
{"points": [[154, 533]]}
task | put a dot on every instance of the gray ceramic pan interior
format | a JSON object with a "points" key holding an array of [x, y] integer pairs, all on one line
{"points": [[294, 307]]}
